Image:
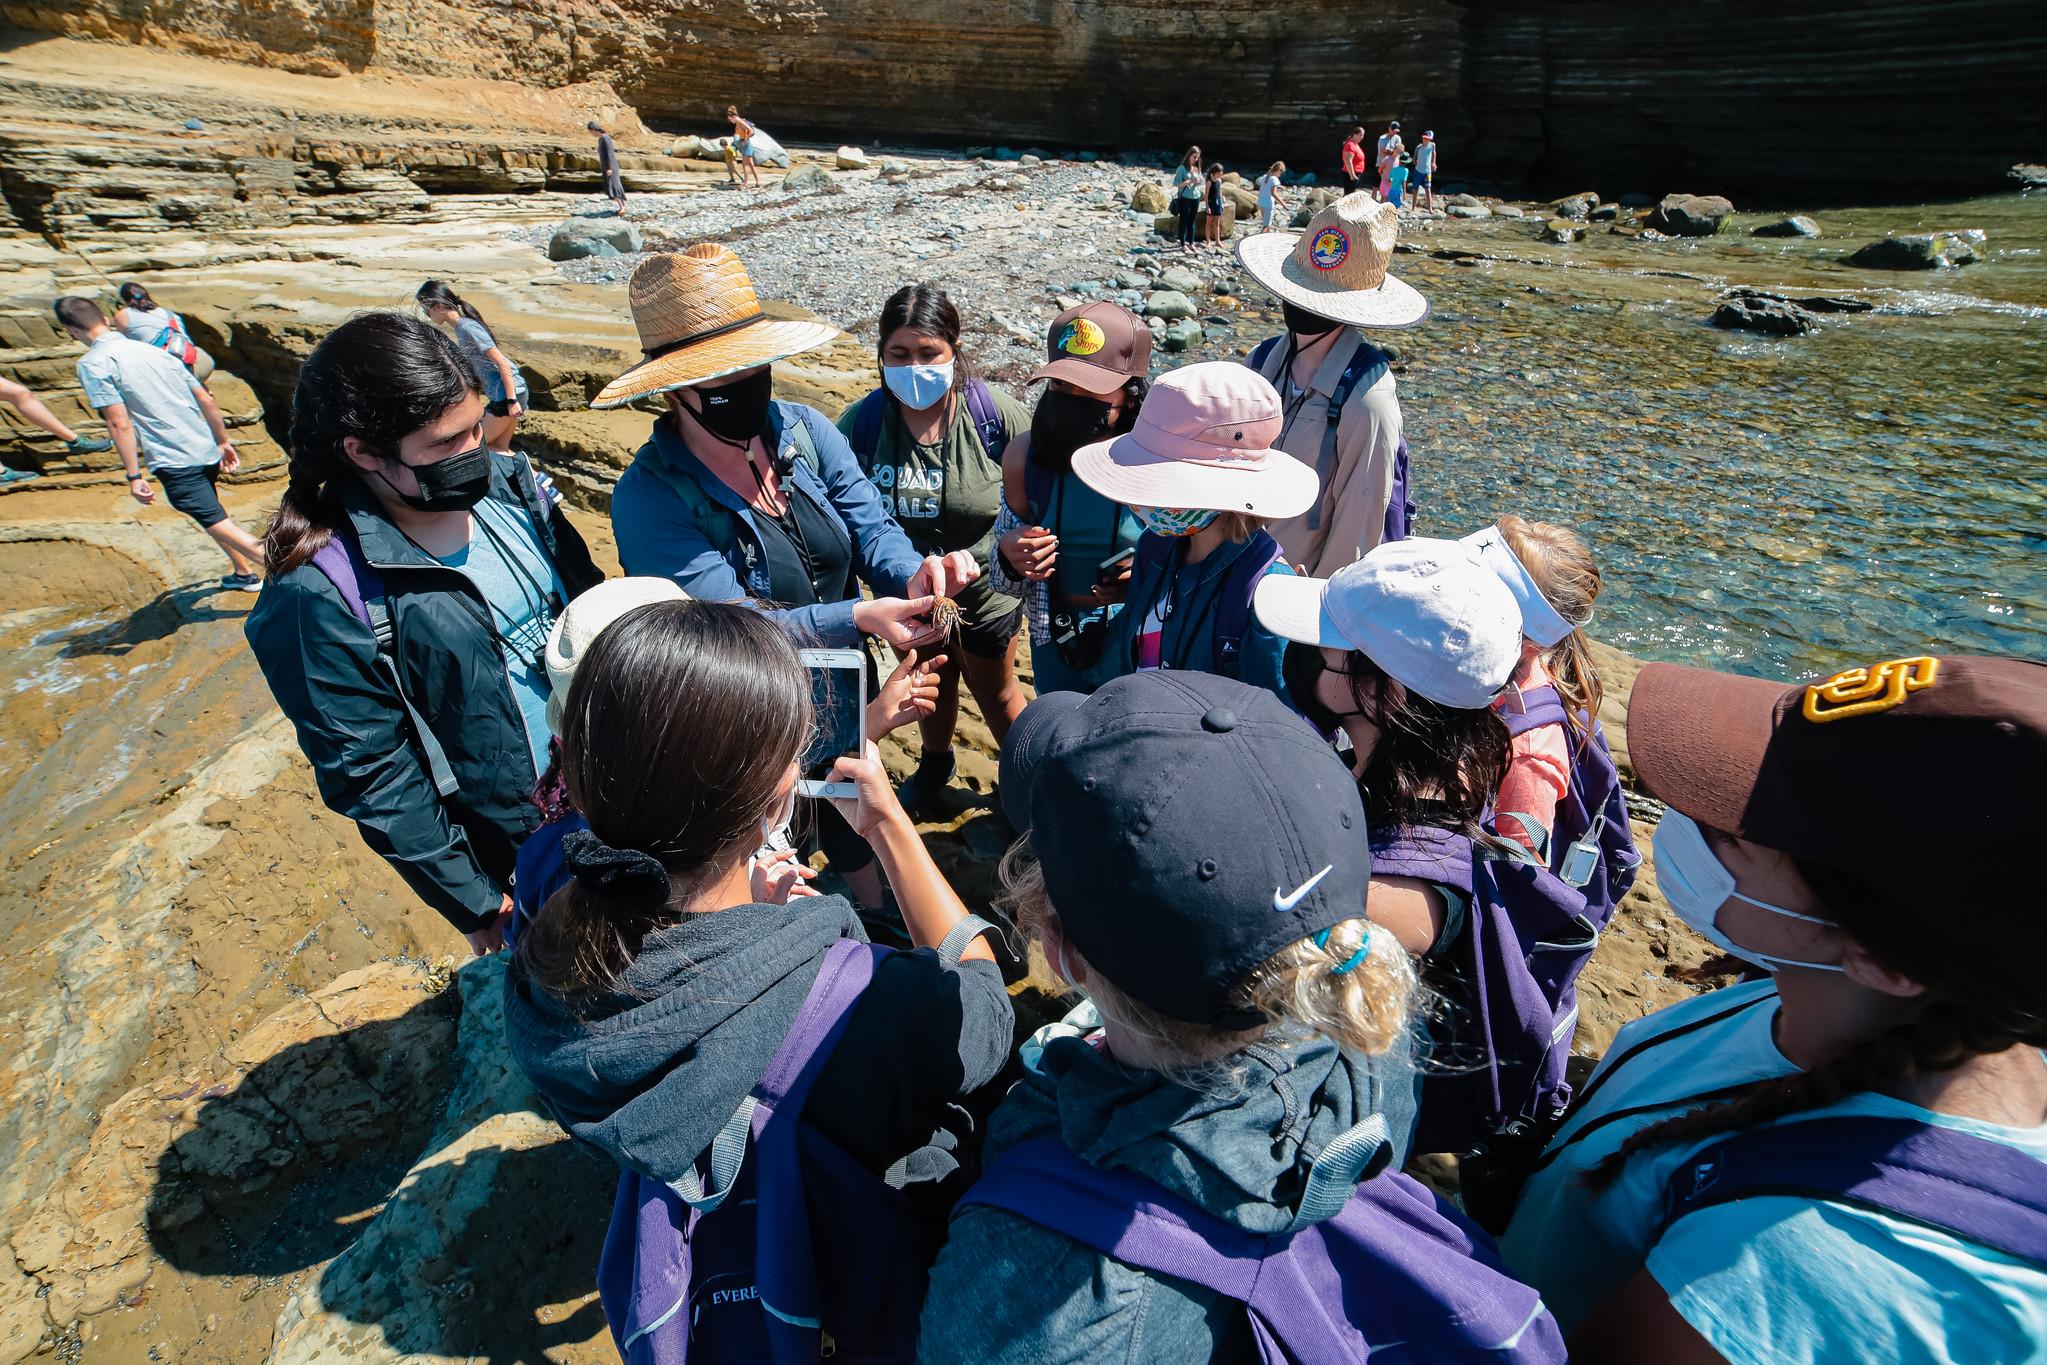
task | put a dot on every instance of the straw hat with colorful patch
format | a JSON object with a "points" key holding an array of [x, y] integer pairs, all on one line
{"points": [[1337, 268], [700, 320]]}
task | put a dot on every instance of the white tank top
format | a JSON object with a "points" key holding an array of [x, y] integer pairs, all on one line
{"points": [[147, 324]]}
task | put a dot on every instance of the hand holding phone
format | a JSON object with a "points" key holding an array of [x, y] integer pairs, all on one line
{"points": [[838, 699], [1115, 566]]}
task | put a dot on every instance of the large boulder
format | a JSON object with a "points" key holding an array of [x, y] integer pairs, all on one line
{"points": [[580, 238], [809, 180], [1468, 201], [1919, 251], [1753, 310], [1797, 225], [1244, 201], [1577, 207], [1690, 215], [1170, 304], [1563, 230], [691, 147], [1150, 197], [1180, 335], [1180, 279], [852, 159], [1468, 211]]}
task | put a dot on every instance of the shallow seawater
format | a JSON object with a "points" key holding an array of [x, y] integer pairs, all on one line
{"points": [[1771, 506]]}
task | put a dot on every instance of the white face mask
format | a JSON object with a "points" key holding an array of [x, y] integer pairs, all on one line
{"points": [[919, 386], [776, 827], [1697, 884]]}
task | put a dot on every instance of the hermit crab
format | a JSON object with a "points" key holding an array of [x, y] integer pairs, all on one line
{"points": [[945, 617]]}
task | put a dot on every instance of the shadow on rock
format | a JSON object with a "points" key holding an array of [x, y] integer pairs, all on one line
{"points": [[404, 1158], [159, 619]]}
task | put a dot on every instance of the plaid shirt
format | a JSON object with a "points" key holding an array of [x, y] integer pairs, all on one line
{"points": [[1037, 598]]}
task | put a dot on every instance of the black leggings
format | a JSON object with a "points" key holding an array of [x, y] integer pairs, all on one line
{"points": [[1189, 210]]}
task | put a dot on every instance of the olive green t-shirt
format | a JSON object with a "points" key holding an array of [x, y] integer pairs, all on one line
{"points": [[945, 496]]}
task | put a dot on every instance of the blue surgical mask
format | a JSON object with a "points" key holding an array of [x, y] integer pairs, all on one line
{"points": [[1697, 884], [1174, 522], [918, 386]]}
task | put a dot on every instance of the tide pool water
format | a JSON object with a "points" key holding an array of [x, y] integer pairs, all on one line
{"points": [[1781, 507]]}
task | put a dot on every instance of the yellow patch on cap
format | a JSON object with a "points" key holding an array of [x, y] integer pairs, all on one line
{"points": [[1865, 691], [1082, 336]]}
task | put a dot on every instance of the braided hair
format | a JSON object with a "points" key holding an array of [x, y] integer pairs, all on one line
{"points": [[1972, 1009], [377, 377]]}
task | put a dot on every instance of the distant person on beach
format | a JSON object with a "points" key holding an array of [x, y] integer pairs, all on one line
{"points": [[742, 142], [1396, 187], [146, 320], [415, 576], [157, 412], [1201, 474], [932, 439], [656, 997], [1202, 1160], [1268, 195], [1064, 548], [1422, 179], [1842, 1157], [740, 498], [504, 388], [607, 162], [1342, 415], [1212, 226], [32, 409], [1187, 196], [1352, 154], [1391, 149]]}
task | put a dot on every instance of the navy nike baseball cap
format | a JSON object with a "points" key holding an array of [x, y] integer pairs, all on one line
{"points": [[1189, 827]]}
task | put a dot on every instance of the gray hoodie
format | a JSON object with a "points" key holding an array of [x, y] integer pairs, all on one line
{"points": [[649, 1072], [1007, 1290]]}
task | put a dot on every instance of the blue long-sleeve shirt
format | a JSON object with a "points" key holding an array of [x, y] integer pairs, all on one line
{"points": [[708, 542]]}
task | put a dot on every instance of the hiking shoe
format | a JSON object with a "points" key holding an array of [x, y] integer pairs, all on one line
{"points": [[88, 445], [921, 788], [243, 582], [14, 476]]}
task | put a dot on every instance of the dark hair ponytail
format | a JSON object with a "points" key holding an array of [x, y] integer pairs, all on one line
{"points": [[435, 294], [678, 728], [378, 377], [133, 295], [927, 309]]}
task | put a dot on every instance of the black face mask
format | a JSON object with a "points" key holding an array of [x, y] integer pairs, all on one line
{"points": [[735, 413], [1302, 666], [1303, 323], [1063, 423], [455, 484]]}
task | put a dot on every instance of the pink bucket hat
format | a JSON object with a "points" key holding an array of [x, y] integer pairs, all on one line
{"points": [[1204, 440]]}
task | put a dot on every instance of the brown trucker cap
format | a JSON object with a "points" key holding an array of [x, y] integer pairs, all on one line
{"points": [[1098, 346]]}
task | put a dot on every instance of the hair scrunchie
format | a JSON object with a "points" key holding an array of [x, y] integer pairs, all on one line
{"points": [[627, 873]]}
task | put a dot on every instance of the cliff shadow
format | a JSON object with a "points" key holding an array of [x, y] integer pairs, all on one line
{"points": [[449, 1218]]}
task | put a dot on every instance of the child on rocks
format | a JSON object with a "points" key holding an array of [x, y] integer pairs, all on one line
{"points": [[1212, 226], [1200, 471], [1843, 1160], [1199, 1164], [670, 1019]]}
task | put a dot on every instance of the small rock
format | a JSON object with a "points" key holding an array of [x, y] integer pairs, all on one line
{"points": [[1509, 211], [1181, 335], [2028, 176], [1131, 279], [586, 238], [1469, 201], [1028, 160], [852, 159], [1468, 211], [1563, 230], [1179, 278], [808, 180], [1150, 197], [1798, 225], [895, 167], [1169, 304], [1575, 206], [1690, 215], [1604, 213], [1919, 251], [1752, 310]]}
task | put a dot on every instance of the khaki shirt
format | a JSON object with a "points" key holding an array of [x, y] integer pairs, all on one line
{"points": [[1349, 517]]}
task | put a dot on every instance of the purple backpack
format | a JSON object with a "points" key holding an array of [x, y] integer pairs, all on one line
{"points": [[1367, 363], [1498, 1086], [722, 1265], [1592, 847], [1972, 1188], [1393, 1273]]}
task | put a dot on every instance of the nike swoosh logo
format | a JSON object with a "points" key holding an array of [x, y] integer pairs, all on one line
{"points": [[1286, 902]]}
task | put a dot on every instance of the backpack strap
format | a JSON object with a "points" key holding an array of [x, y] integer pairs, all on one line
{"points": [[362, 592], [1537, 707], [1367, 363], [1969, 1187], [797, 441], [987, 420], [1040, 485], [865, 437], [1233, 601], [1262, 352]]}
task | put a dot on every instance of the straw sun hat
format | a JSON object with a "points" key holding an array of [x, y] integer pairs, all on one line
{"points": [[1337, 268], [699, 320]]}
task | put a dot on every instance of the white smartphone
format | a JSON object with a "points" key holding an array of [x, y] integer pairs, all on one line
{"points": [[838, 696]]}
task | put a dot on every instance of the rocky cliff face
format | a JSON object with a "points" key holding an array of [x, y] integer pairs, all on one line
{"points": [[1812, 96]]}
